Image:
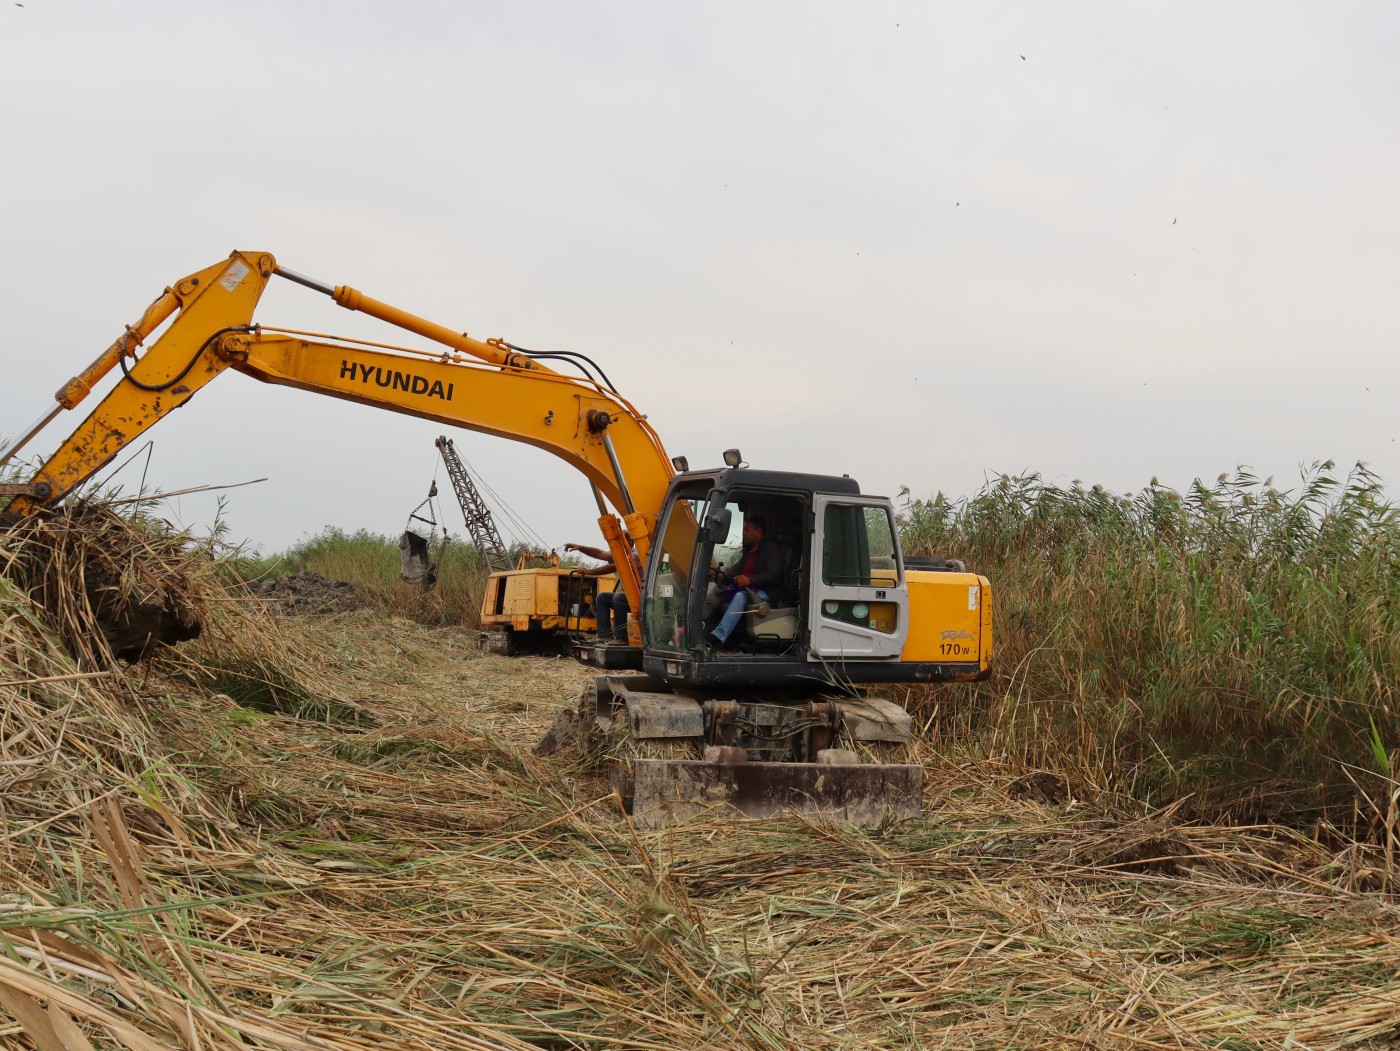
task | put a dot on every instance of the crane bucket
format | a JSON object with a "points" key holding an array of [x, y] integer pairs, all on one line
{"points": [[416, 565]]}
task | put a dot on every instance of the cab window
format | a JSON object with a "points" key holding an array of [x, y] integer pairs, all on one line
{"points": [[858, 547], [665, 601]]}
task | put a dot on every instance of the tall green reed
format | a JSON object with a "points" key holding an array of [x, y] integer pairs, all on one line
{"points": [[1233, 644]]}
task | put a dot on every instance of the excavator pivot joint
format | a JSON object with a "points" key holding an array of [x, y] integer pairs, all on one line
{"points": [[34, 490], [232, 347]]}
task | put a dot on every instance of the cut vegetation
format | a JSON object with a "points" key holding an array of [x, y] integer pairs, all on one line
{"points": [[329, 832]]}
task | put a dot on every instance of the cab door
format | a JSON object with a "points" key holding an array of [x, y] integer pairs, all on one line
{"points": [[858, 605]]}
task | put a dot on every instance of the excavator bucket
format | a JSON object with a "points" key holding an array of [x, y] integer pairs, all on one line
{"points": [[668, 792], [416, 565]]}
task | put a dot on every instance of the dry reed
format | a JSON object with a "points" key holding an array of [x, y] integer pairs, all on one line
{"points": [[363, 854], [1236, 646]]}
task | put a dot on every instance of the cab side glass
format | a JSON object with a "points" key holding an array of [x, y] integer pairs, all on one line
{"points": [[665, 602], [859, 548]]}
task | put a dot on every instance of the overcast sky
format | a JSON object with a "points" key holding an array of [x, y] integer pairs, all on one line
{"points": [[915, 243]]}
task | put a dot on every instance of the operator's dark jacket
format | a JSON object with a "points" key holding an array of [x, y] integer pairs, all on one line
{"points": [[767, 573]]}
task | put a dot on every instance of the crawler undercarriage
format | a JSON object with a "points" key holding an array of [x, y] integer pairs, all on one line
{"points": [[672, 757]]}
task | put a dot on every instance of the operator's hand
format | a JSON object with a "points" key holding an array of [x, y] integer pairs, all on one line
{"points": [[570, 547], [742, 580]]}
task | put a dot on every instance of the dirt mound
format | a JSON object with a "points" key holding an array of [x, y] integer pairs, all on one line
{"points": [[307, 594]]}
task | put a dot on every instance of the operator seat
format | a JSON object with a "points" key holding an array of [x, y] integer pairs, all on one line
{"points": [[781, 621]]}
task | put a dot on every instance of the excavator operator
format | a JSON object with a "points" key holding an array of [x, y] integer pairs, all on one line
{"points": [[750, 579]]}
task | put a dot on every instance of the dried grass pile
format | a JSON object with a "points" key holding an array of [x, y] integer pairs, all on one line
{"points": [[113, 588], [331, 834]]}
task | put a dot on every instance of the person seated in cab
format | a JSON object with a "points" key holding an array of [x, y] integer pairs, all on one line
{"points": [[750, 579]]}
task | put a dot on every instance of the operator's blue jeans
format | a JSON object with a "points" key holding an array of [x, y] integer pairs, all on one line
{"points": [[612, 609], [737, 605]]}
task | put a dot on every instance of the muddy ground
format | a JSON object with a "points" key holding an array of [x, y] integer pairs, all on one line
{"points": [[308, 594]]}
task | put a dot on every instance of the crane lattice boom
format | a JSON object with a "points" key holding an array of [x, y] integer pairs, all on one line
{"points": [[479, 522]]}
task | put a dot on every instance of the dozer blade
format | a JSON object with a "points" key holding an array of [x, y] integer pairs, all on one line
{"points": [[668, 792]]}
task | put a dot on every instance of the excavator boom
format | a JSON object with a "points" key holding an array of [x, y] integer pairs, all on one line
{"points": [[483, 386]]}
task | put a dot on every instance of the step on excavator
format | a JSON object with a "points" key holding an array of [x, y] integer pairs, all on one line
{"points": [[724, 694]]}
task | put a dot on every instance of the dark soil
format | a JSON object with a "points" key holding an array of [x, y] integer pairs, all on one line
{"points": [[132, 628], [308, 594]]}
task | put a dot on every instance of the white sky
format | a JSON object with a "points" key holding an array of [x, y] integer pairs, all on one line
{"points": [[847, 238]]}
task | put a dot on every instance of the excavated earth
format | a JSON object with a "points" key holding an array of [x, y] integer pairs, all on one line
{"points": [[114, 592], [308, 594]]}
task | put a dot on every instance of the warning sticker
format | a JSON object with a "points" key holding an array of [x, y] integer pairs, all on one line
{"points": [[973, 590], [235, 276]]}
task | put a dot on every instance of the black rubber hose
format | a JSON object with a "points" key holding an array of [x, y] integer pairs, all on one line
{"points": [[156, 389], [580, 361]]}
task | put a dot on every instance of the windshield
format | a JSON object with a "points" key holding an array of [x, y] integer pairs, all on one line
{"points": [[665, 603]]}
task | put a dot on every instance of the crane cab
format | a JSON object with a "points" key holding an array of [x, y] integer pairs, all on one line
{"points": [[847, 608]]}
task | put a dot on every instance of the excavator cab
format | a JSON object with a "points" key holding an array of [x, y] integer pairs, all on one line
{"points": [[702, 528], [841, 612]]}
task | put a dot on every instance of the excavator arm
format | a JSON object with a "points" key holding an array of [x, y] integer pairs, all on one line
{"points": [[483, 386]]}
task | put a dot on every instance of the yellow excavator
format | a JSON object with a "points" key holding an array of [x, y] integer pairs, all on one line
{"points": [[539, 608], [776, 715]]}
